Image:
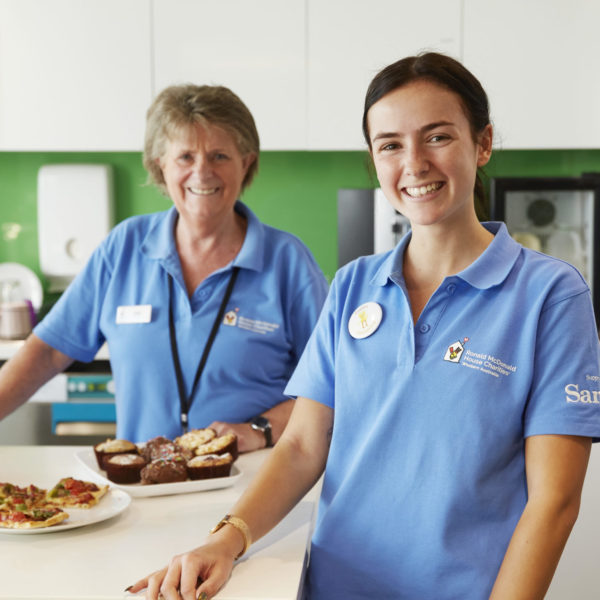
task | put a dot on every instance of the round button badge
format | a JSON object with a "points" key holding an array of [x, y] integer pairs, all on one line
{"points": [[365, 320]]}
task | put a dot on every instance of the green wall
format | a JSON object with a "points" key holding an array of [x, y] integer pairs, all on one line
{"points": [[296, 191]]}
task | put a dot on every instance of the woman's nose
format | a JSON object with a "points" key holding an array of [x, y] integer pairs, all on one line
{"points": [[415, 161], [202, 166]]}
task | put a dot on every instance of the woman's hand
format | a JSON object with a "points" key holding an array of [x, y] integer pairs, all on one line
{"points": [[204, 570], [248, 439]]}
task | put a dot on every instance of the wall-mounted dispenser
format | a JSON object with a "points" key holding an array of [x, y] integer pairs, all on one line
{"points": [[75, 213]]}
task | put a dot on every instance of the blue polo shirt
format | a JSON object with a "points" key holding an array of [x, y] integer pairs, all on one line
{"points": [[269, 317], [425, 479]]}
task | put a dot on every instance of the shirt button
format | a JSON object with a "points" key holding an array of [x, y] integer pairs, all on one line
{"points": [[424, 328], [450, 288]]}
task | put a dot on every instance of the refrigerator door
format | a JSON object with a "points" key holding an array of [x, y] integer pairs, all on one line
{"points": [[558, 216]]}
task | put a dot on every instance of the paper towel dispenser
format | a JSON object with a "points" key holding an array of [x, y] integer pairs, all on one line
{"points": [[75, 213]]}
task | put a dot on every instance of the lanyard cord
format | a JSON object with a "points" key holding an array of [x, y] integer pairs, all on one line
{"points": [[184, 400]]}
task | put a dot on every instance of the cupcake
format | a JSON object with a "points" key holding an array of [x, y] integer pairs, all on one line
{"points": [[164, 470], [194, 438], [209, 466], [220, 445], [151, 449], [124, 468], [112, 447]]}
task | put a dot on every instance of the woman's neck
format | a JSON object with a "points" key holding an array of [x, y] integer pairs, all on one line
{"points": [[204, 248], [435, 253]]}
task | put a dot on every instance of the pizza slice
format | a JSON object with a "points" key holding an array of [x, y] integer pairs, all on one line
{"points": [[30, 518], [76, 493], [30, 497]]}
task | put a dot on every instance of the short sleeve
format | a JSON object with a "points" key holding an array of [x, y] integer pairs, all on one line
{"points": [[73, 324], [314, 376], [565, 392]]}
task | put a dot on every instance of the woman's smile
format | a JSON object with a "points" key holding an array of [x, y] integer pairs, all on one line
{"points": [[424, 189]]}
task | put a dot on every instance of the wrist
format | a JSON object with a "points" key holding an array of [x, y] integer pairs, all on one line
{"points": [[262, 425], [234, 533]]}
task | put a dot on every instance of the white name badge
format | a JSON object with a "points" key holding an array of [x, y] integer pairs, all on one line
{"points": [[365, 320], [135, 313]]}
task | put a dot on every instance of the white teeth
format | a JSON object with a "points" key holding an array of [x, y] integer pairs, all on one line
{"points": [[417, 192], [202, 192]]}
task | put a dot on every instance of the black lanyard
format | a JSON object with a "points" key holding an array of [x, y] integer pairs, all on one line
{"points": [[184, 400]]}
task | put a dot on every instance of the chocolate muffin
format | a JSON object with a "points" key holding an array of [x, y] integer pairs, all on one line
{"points": [[209, 466], [124, 468], [111, 447], [220, 445], [164, 470], [150, 449]]}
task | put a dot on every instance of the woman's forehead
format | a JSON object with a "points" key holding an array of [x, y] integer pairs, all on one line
{"points": [[415, 105]]}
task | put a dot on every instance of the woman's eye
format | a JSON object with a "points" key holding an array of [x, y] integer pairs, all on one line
{"points": [[439, 138], [389, 147], [220, 156]]}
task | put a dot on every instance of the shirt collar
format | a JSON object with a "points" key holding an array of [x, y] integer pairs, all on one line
{"points": [[159, 243], [490, 269]]}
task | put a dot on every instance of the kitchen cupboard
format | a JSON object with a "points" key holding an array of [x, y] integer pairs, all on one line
{"points": [[349, 42], [255, 48], [73, 75], [537, 61], [79, 76]]}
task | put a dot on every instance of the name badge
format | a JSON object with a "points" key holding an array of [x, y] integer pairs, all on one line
{"points": [[135, 313], [365, 320]]}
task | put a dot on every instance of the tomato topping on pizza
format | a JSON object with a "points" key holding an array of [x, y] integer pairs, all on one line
{"points": [[32, 518], [75, 492], [31, 506]]}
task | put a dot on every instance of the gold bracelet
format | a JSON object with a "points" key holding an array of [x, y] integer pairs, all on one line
{"points": [[240, 525]]}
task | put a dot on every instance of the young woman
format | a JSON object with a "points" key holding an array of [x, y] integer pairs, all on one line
{"points": [[447, 390]]}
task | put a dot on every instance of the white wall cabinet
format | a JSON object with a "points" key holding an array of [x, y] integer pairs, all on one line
{"points": [[349, 42], [79, 75], [258, 49], [538, 62], [73, 75]]}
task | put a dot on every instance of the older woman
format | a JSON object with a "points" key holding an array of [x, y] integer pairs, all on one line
{"points": [[205, 309]]}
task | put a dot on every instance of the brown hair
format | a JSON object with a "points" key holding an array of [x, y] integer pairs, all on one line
{"points": [[444, 71], [179, 107]]}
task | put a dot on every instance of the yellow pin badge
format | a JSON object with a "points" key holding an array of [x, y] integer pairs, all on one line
{"points": [[365, 320]]}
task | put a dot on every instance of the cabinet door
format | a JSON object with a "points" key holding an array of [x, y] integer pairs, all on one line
{"points": [[257, 49], [74, 75], [349, 42], [538, 62]]}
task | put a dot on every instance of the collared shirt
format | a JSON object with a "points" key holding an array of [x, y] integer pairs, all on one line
{"points": [[425, 477], [272, 310]]}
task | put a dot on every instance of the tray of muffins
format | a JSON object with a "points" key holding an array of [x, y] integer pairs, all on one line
{"points": [[195, 461]]}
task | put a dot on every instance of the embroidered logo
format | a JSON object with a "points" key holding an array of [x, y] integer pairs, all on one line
{"points": [[230, 318], [455, 351]]}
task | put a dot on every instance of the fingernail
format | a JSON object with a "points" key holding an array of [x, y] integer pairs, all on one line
{"points": [[202, 596], [127, 588]]}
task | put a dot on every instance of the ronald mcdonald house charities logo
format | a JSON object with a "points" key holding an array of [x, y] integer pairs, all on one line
{"points": [[454, 351]]}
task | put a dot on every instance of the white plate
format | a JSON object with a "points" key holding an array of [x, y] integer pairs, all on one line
{"points": [[88, 459], [30, 287], [113, 503]]}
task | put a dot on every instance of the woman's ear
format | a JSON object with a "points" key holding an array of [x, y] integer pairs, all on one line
{"points": [[486, 139], [248, 160]]}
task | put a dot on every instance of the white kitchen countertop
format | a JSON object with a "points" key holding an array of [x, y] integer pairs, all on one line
{"points": [[8, 348], [99, 561]]}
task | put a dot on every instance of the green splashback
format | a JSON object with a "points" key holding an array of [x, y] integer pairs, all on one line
{"points": [[295, 191]]}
